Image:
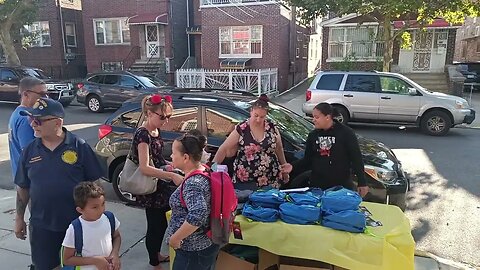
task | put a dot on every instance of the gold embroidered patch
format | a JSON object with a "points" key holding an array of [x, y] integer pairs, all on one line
{"points": [[35, 159], [70, 157], [40, 104]]}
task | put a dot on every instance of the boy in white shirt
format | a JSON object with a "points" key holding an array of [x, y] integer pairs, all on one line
{"points": [[99, 251]]}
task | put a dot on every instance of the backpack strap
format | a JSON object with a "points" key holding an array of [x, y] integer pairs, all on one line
{"points": [[78, 233], [204, 173], [111, 219]]}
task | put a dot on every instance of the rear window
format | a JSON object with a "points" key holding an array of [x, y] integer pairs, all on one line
{"points": [[330, 82], [96, 79], [129, 119]]}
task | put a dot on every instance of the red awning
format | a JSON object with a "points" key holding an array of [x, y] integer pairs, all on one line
{"points": [[437, 23], [150, 18]]}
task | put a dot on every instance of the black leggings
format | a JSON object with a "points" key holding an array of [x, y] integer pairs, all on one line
{"points": [[156, 227]]}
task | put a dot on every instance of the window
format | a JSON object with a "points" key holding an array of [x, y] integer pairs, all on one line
{"points": [[96, 79], [297, 52], [478, 46], [221, 122], [7, 75], [360, 42], [130, 119], [330, 82], [71, 38], [392, 85], [182, 120], [241, 41], [362, 83], [40, 34], [111, 31], [111, 79], [112, 66], [305, 51], [129, 82]]}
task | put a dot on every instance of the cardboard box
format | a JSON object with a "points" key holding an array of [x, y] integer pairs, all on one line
{"points": [[226, 261], [290, 263]]}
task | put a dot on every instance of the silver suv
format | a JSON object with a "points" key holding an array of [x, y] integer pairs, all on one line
{"points": [[387, 97]]}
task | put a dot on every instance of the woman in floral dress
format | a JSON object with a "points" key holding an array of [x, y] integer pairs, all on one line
{"points": [[260, 160]]}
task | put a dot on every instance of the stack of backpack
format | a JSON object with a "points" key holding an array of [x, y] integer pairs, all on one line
{"points": [[336, 208]]}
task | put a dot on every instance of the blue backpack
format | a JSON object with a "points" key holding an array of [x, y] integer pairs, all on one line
{"points": [[339, 199], [348, 220], [78, 233], [271, 198], [300, 214], [307, 198], [259, 213]]}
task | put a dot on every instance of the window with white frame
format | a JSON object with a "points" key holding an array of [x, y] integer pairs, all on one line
{"points": [[71, 38], [358, 42], [241, 41], [40, 33], [111, 31]]}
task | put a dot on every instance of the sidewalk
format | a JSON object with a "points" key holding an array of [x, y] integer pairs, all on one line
{"points": [[15, 253]]}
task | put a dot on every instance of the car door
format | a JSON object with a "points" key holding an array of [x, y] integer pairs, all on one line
{"points": [[9, 85], [111, 90], [361, 96], [396, 103], [129, 88]]}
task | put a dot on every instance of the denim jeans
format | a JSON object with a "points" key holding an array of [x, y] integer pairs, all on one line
{"points": [[196, 260]]}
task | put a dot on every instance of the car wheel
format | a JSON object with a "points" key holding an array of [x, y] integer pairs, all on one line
{"points": [[435, 123], [342, 114], [122, 195], [94, 103]]}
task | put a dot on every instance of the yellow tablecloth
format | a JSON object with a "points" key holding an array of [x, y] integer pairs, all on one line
{"points": [[391, 248]]}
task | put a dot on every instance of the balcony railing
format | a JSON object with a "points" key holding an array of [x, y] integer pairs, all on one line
{"points": [[233, 2]]}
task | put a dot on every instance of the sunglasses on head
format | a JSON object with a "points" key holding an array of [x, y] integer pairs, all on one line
{"points": [[163, 117], [157, 99], [39, 122]]}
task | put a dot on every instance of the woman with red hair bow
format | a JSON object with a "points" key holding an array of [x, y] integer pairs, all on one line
{"points": [[260, 160], [147, 147]]}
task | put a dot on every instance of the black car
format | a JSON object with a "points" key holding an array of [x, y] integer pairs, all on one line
{"points": [[111, 89], [471, 72], [215, 113], [10, 77]]}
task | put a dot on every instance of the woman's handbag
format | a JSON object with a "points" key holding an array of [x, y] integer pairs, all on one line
{"points": [[132, 180]]}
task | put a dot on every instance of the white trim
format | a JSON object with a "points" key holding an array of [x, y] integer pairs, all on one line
{"points": [[231, 55], [336, 20], [74, 34], [335, 60], [39, 38], [120, 20], [351, 24], [239, 4]]}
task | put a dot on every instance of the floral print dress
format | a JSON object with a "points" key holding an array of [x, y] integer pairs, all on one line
{"points": [[257, 161]]}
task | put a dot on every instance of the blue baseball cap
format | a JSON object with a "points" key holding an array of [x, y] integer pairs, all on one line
{"points": [[45, 107]]}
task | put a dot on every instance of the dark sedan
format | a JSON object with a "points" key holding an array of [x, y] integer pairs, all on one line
{"points": [[111, 89], [215, 114]]}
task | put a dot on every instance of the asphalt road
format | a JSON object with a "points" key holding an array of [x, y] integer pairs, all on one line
{"points": [[444, 201]]}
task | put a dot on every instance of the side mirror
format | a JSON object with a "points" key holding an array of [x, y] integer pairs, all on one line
{"points": [[137, 86], [412, 91]]}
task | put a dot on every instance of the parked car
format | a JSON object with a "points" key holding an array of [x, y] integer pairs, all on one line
{"points": [[10, 77], [215, 113], [471, 72], [111, 89], [387, 98]]}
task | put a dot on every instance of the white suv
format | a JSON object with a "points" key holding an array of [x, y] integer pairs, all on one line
{"points": [[387, 97]]}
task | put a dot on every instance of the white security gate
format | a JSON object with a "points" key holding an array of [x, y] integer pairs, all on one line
{"points": [[152, 41]]}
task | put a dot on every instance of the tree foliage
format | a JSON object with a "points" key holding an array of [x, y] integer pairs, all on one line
{"points": [[386, 11], [13, 15]]}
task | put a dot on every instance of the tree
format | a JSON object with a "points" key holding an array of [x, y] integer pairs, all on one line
{"points": [[13, 15], [386, 11]]}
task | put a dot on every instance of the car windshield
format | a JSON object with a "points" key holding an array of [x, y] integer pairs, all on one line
{"points": [[37, 73], [150, 81], [290, 124]]}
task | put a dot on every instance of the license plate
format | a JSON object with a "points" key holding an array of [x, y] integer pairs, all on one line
{"points": [[65, 94]]}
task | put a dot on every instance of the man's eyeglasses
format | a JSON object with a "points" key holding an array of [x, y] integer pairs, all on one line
{"points": [[45, 94], [39, 122], [163, 117]]}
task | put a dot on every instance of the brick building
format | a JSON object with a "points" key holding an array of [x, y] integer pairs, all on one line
{"points": [[468, 41], [57, 44]]}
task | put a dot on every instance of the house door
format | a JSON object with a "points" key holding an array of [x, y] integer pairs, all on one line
{"points": [[422, 50], [152, 41]]}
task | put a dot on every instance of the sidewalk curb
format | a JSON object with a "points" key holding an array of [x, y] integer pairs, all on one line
{"points": [[444, 264], [293, 87]]}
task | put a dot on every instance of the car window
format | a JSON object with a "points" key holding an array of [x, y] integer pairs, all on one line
{"points": [[392, 85], [221, 122], [361, 83], [182, 120], [37, 73], [111, 79], [7, 75], [330, 82], [96, 79], [151, 81], [128, 81]]}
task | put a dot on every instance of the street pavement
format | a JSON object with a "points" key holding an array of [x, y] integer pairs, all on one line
{"points": [[444, 205]]}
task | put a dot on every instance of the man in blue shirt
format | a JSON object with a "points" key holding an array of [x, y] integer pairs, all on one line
{"points": [[49, 169], [20, 133]]}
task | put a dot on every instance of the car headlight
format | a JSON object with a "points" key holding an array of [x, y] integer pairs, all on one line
{"points": [[50, 87], [381, 174], [461, 104]]}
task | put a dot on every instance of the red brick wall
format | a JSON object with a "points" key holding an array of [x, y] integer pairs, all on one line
{"points": [[466, 41]]}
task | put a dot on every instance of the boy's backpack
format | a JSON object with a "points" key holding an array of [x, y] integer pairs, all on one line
{"points": [[337, 199], [258, 213], [271, 198], [349, 220], [304, 198], [78, 234], [300, 214], [223, 205]]}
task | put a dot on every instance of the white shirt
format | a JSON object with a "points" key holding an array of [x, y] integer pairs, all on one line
{"points": [[97, 238]]}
